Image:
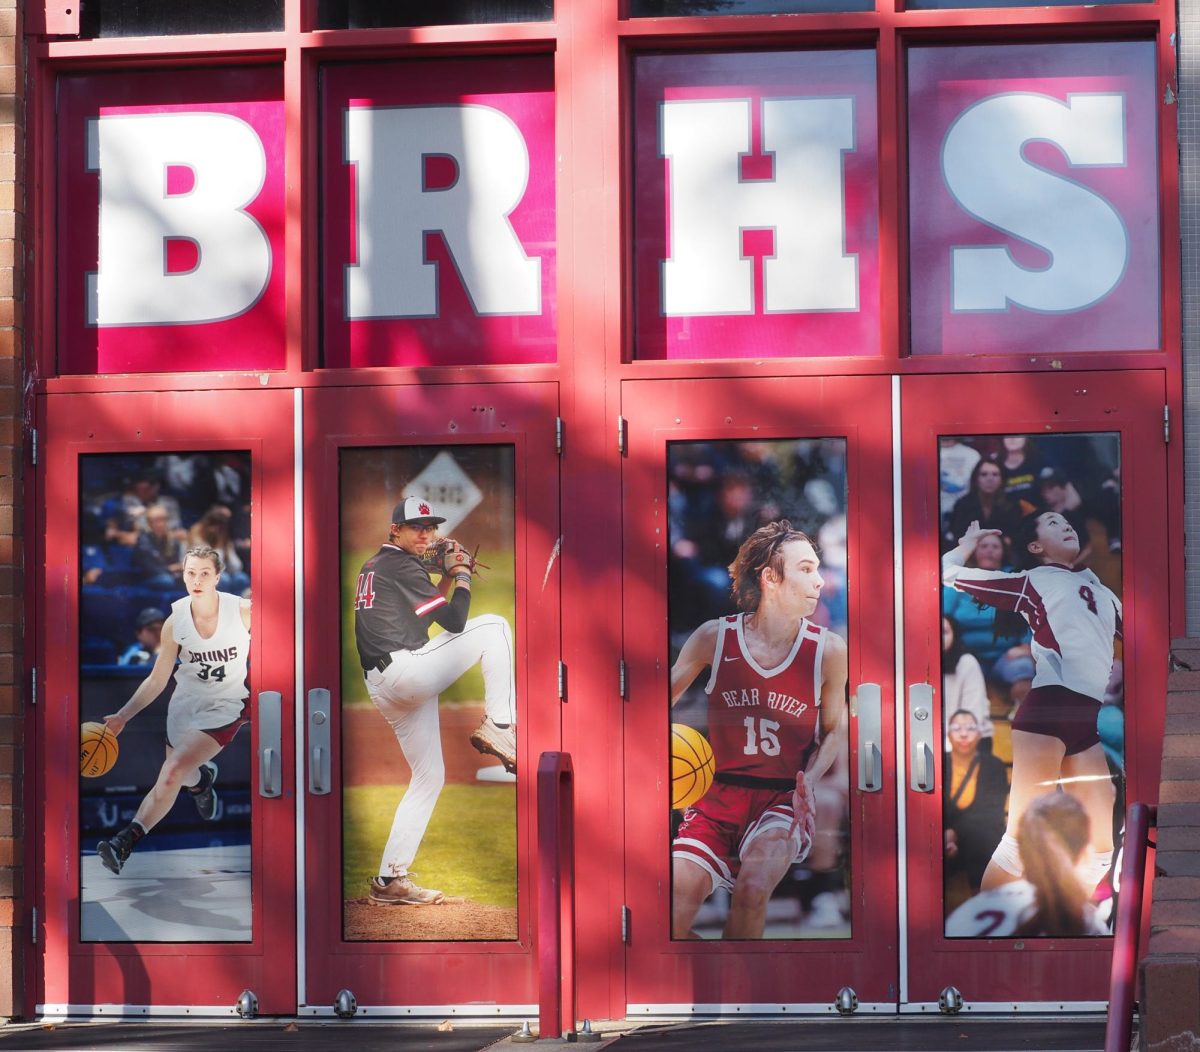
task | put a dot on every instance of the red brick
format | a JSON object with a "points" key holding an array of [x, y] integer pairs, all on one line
{"points": [[1181, 768], [1183, 680], [1177, 913], [1170, 838], [1184, 703], [1183, 723], [1171, 863], [1168, 792], [1164, 887], [11, 854], [1173, 745], [1170, 999], [1178, 814]]}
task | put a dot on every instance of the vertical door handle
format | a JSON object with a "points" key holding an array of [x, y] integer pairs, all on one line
{"points": [[868, 708], [318, 742], [270, 743], [920, 737]]}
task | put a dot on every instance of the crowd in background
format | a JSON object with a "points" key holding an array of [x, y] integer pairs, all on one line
{"points": [[138, 516]]}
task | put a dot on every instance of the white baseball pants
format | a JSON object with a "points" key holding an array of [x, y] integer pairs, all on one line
{"points": [[406, 693]]}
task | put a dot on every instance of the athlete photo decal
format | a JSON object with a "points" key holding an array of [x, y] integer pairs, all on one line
{"points": [[429, 708], [758, 629], [1032, 683], [164, 641]]}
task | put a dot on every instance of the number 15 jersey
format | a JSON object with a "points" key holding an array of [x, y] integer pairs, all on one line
{"points": [[763, 723]]}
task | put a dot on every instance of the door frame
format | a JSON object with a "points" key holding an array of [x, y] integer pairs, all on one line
{"points": [[741, 409], [1129, 402], [75, 424], [521, 416]]}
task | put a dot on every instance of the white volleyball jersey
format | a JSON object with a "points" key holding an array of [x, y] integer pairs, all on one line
{"points": [[212, 669], [1001, 912], [1073, 615]]}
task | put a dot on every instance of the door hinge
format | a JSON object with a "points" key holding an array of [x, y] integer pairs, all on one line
{"points": [[33, 446], [562, 681], [1167, 424], [33, 686], [558, 435], [33, 926], [622, 682], [622, 435], [625, 924]]}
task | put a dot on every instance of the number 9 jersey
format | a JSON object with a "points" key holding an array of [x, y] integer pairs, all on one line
{"points": [[1073, 615]]}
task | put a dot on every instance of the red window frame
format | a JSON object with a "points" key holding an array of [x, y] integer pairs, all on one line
{"points": [[592, 44]]}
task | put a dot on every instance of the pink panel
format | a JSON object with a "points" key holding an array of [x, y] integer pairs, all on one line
{"points": [[249, 337], [458, 328], [1064, 304], [755, 79]]}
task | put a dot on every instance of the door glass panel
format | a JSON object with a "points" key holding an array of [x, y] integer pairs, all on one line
{"points": [[127, 18], [366, 14], [1032, 682], [758, 622], [163, 649], [428, 806]]}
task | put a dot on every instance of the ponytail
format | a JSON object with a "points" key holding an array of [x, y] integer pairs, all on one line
{"points": [[1052, 835]]}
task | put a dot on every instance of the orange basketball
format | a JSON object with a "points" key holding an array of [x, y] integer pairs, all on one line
{"points": [[97, 750], [692, 765]]}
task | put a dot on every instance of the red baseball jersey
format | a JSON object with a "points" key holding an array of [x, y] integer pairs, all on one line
{"points": [[764, 722]]}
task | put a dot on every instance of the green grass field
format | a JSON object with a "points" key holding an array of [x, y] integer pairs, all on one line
{"points": [[493, 593], [470, 848]]}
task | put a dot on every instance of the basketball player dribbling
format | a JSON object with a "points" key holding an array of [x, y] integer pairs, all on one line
{"points": [[209, 633], [776, 721]]}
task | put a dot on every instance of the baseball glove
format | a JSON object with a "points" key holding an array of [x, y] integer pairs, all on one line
{"points": [[449, 558]]}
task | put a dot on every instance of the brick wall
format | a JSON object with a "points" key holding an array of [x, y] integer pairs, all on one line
{"points": [[1170, 973], [12, 909]]}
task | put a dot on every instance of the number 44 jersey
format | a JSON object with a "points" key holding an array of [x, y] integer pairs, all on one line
{"points": [[764, 722]]}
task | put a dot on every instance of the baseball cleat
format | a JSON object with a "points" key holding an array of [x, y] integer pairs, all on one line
{"points": [[205, 794], [115, 852], [401, 891], [501, 742]]}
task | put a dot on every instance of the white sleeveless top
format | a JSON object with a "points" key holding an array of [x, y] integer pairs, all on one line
{"points": [[212, 669]]}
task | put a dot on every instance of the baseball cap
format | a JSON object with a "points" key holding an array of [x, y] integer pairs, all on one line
{"points": [[414, 510], [1052, 477], [149, 616]]}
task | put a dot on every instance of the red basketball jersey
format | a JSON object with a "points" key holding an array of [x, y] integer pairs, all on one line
{"points": [[763, 722]]}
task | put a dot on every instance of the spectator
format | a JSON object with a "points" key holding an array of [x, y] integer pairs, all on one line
{"points": [[148, 631], [976, 788], [1060, 495], [986, 503], [1021, 463], [963, 688]]}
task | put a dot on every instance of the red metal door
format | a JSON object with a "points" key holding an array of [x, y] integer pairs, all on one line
{"points": [[709, 463], [484, 459], [196, 914], [1091, 449]]}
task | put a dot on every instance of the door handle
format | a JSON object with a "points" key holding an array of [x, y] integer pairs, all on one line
{"points": [[868, 708], [318, 742], [270, 743], [920, 737]]}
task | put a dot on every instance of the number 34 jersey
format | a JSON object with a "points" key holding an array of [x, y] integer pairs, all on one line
{"points": [[1073, 615], [212, 670], [763, 722]]}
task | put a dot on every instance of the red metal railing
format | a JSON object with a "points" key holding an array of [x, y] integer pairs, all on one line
{"points": [[1123, 981], [556, 894]]}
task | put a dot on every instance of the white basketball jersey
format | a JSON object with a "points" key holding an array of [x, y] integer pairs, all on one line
{"points": [[213, 668]]}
